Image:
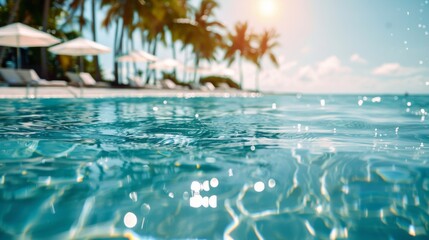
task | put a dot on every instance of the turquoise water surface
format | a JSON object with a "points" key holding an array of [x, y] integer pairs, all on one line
{"points": [[275, 167]]}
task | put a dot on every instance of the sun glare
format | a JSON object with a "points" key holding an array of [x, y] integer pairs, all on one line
{"points": [[267, 7]]}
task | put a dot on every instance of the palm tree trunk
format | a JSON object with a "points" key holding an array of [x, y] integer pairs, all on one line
{"points": [[257, 79], [119, 51], [81, 23], [11, 18], [240, 66], [173, 48], [155, 44], [43, 52], [185, 63], [197, 63], [115, 63], [72, 13], [147, 64], [94, 37]]}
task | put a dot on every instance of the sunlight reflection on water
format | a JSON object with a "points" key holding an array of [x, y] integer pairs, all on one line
{"points": [[290, 167]]}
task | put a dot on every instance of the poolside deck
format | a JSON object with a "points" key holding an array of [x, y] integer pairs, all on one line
{"points": [[74, 92]]}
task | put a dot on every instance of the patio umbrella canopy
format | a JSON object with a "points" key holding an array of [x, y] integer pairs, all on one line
{"points": [[20, 35], [166, 64], [137, 56], [79, 47]]}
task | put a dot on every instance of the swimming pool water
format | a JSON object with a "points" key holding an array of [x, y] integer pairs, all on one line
{"points": [[274, 167]]}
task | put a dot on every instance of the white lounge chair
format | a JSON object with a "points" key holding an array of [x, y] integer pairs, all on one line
{"points": [[84, 79], [136, 82], [168, 84], [30, 77], [11, 77]]}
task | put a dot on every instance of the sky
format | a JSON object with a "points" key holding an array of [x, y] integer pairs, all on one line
{"points": [[332, 46]]}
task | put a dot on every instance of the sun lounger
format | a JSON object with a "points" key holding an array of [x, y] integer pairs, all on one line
{"points": [[84, 79], [11, 77], [30, 77], [223, 86], [27, 78], [168, 84], [136, 82]]}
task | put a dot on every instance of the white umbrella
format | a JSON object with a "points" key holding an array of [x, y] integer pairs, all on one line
{"points": [[20, 35], [166, 64], [79, 47], [137, 56], [199, 70]]}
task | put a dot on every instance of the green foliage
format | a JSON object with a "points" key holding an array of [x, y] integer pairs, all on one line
{"points": [[159, 21]]}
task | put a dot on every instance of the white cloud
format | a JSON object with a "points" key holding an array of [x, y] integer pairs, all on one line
{"points": [[306, 74], [331, 65], [356, 58], [331, 76], [395, 70], [306, 50], [287, 66]]}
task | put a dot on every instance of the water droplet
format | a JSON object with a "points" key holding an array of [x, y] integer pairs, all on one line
{"points": [[196, 201], [319, 209], [252, 148], [322, 102], [205, 186], [197, 115], [360, 102], [171, 195], [409, 104], [376, 99], [230, 172], [133, 196], [165, 102], [421, 62], [213, 201], [206, 202], [408, 13], [274, 106], [186, 195], [130, 220], [214, 182], [195, 186], [145, 209], [259, 186], [271, 183], [412, 230], [155, 109]]}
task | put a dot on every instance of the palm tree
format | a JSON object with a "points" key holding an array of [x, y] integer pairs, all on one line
{"points": [[120, 13], [266, 43], [239, 43], [94, 37], [201, 33], [44, 59], [11, 19]]}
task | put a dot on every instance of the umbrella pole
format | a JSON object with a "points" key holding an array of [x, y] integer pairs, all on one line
{"points": [[80, 64], [18, 58]]}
